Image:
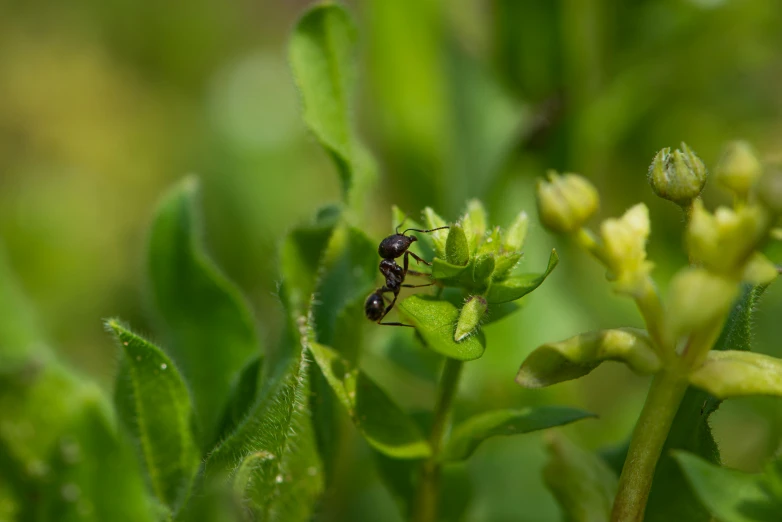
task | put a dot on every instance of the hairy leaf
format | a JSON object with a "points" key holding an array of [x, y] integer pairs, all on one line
{"points": [[382, 423], [516, 287], [286, 484], [582, 483], [208, 327], [468, 435], [322, 58], [243, 395], [575, 357], [729, 495], [436, 322], [154, 404]]}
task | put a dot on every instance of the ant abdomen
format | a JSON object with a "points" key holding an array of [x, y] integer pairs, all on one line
{"points": [[374, 307]]}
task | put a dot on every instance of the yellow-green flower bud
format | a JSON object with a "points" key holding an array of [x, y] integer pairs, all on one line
{"points": [[769, 191], [697, 299], [677, 177], [470, 317], [724, 241], [566, 202], [457, 249], [738, 168], [513, 239], [624, 248]]}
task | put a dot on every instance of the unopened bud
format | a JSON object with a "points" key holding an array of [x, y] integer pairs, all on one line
{"points": [[769, 190], [738, 168], [470, 317], [677, 177], [566, 202], [457, 249], [484, 268], [624, 245], [696, 299]]}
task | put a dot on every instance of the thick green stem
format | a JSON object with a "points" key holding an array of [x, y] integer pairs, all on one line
{"points": [[651, 431], [425, 506]]}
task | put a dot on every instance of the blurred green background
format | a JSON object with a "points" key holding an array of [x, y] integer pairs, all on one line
{"points": [[105, 104]]}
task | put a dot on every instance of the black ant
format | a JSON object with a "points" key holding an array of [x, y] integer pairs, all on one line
{"points": [[390, 248]]}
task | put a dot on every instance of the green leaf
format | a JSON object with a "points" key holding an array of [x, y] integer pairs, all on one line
{"points": [[243, 395], [439, 238], [582, 483], [436, 322], [442, 269], [286, 485], [514, 236], [94, 475], [208, 327], [517, 287], [321, 54], [505, 263], [457, 247], [729, 495], [478, 219], [382, 423], [552, 363], [20, 338], [154, 404], [732, 373], [670, 498], [468, 435]]}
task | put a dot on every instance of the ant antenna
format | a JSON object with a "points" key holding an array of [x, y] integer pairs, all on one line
{"points": [[400, 225], [423, 231]]}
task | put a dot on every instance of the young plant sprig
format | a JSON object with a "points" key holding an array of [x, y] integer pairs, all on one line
{"points": [[682, 328]]}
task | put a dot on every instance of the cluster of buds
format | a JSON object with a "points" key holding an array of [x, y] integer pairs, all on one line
{"points": [[723, 248], [475, 265]]}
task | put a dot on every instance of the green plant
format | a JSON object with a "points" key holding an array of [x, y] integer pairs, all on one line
{"points": [[207, 426], [698, 336]]}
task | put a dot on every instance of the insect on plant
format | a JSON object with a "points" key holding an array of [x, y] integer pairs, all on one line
{"points": [[391, 248]]}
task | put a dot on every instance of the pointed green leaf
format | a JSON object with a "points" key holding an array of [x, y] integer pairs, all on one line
{"points": [[514, 236], [575, 357], [505, 263], [732, 373], [208, 327], [382, 423], [517, 287], [478, 219], [439, 237], [158, 413], [582, 483], [321, 53], [468, 435], [729, 495], [436, 322], [442, 269]]}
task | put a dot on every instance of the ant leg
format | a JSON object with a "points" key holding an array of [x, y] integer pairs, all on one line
{"points": [[418, 259], [419, 274], [396, 324], [418, 286]]}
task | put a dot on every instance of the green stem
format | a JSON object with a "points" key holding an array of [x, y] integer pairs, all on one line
{"points": [[651, 431], [425, 506]]}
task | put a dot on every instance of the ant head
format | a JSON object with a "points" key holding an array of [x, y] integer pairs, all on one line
{"points": [[374, 306]]}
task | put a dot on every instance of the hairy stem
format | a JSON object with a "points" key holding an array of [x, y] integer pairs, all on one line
{"points": [[425, 506], [651, 431]]}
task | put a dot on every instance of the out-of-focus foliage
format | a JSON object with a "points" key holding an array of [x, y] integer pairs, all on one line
{"points": [[105, 104]]}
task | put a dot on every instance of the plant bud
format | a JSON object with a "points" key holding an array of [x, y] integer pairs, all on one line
{"points": [[457, 250], [724, 241], [677, 177], [696, 299], [566, 202], [738, 168], [513, 239], [484, 268], [769, 190], [624, 243], [470, 317]]}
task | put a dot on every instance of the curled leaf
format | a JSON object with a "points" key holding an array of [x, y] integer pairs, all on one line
{"points": [[575, 357], [517, 287], [436, 322], [733, 373], [468, 435]]}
